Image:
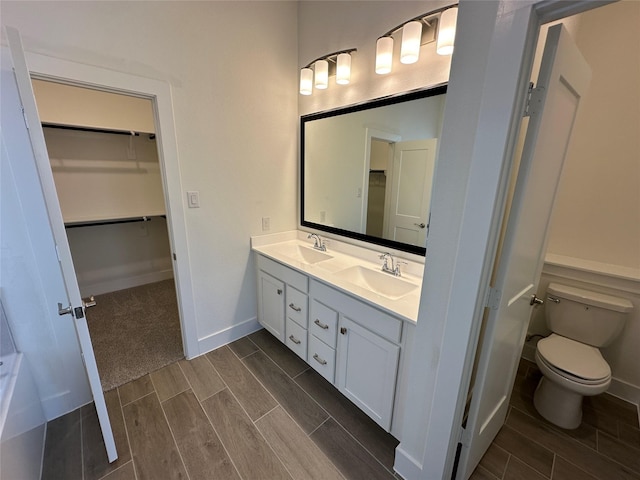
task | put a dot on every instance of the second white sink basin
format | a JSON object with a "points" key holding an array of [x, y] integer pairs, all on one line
{"points": [[381, 283], [303, 254]]}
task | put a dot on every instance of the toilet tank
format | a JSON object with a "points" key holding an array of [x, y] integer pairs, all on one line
{"points": [[585, 316]]}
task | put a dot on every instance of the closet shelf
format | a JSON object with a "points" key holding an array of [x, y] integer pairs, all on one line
{"points": [[90, 223]]}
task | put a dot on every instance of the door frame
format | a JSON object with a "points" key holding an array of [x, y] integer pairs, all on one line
{"points": [[490, 72], [82, 75], [372, 134]]}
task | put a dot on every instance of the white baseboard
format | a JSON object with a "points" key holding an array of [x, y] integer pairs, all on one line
{"points": [[625, 391], [405, 465], [228, 335], [114, 285]]}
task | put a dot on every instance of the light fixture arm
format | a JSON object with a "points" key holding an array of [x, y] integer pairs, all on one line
{"points": [[425, 18], [331, 57]]}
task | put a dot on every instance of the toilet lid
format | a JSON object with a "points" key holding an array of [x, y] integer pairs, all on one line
{"points": [[575, 358]]}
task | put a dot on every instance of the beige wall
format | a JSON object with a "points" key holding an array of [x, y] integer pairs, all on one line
{"points": [[597, 212], [232, 68]]}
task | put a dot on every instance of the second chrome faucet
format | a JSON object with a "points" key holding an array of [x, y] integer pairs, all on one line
{"points": [[394, 269]]}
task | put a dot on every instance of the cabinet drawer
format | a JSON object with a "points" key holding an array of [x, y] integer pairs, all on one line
{"points": [[297, 306], [296, 339], [375, 320], [322, 358], [323, 323]]}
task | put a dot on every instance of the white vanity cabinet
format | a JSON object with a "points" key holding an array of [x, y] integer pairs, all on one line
{"points": [[283, 303], [351, 343]]}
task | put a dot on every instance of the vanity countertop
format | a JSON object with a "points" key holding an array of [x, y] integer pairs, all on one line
{"points": [[342, 267]]}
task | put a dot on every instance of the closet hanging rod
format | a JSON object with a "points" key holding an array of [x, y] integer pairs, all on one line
{"points": [[111, 222], [96, 130]]}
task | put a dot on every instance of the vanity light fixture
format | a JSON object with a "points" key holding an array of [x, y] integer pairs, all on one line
{"points": [[343, 69], [438, 24], [384, 55], [306, 81], [318, 72], [447, 31], [322, 74], [411, 37]]}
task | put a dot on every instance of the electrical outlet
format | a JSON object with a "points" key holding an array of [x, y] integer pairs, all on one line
{"points": [[143, 230], [323, 216], [266, 224]]}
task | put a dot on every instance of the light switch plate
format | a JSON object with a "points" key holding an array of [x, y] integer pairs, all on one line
{"points": [[193, 199]]}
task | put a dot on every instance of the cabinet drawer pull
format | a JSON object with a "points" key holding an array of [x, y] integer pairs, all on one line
{"points": [[321, 325], [294, 339], [279, 291], [343, 330], [293, 307], [319, 359]]}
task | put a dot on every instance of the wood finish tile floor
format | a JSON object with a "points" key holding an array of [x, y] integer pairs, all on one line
{"points": [[250, 410], [606, 446]]}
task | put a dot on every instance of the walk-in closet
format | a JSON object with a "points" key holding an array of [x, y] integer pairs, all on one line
{"points": [[105, 163]]}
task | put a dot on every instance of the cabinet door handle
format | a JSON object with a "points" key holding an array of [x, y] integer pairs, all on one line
{"points": [[293, 307], [343, 330], [321, 325], [318, 359], [294, 339], [279, 291]]}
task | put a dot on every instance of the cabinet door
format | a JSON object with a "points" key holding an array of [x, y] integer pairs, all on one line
{"points": [[271, 304], [366, 373]]}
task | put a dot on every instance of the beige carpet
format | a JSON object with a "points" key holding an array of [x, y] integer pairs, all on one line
{"points": [[135, 331]]}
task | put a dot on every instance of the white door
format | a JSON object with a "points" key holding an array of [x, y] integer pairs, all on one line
{"points": [[73, 304], [562, 83], [413, 164]]}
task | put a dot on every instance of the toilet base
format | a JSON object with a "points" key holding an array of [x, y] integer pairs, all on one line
{"points": [[560, 406]]}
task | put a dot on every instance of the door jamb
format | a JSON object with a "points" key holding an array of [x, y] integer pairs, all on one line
{"points": [[542, 12], [159, 92]]}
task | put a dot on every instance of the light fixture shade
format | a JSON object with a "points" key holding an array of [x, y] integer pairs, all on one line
{"points": [[447, 31], [343, 69], [411, 36], [322, 74], [306, 81], [384, 55]]}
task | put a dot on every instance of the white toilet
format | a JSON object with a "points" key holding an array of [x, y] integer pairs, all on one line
{"points": [[571, 364]]}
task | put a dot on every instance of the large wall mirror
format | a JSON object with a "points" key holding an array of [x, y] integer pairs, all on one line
{"points": [[367, 169]]}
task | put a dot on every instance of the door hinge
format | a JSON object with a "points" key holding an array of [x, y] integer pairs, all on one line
{"points": [[534, 100], [461, 435], [58, 253], [493, 298]]}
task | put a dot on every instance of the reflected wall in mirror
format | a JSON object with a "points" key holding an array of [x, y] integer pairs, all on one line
{"points": [[367, 170]]}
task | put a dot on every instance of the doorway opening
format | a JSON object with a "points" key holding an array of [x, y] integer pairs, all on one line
{"points": [[607, 415], [106, 166]]}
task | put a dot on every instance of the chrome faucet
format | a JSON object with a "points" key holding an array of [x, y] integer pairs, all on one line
{"points": [[394, 269], [318, 244]]}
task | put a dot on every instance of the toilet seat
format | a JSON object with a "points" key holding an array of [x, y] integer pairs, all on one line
{"points": [[573, 360]]}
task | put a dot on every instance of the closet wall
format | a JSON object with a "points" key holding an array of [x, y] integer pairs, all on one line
{"points": [[109, 185]]}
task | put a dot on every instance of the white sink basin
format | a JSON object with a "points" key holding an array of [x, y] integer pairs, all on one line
{"points": [[303, 254], [379, 282]]}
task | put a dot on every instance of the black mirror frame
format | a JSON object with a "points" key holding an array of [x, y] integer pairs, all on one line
{"points": [[379, 102]]}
